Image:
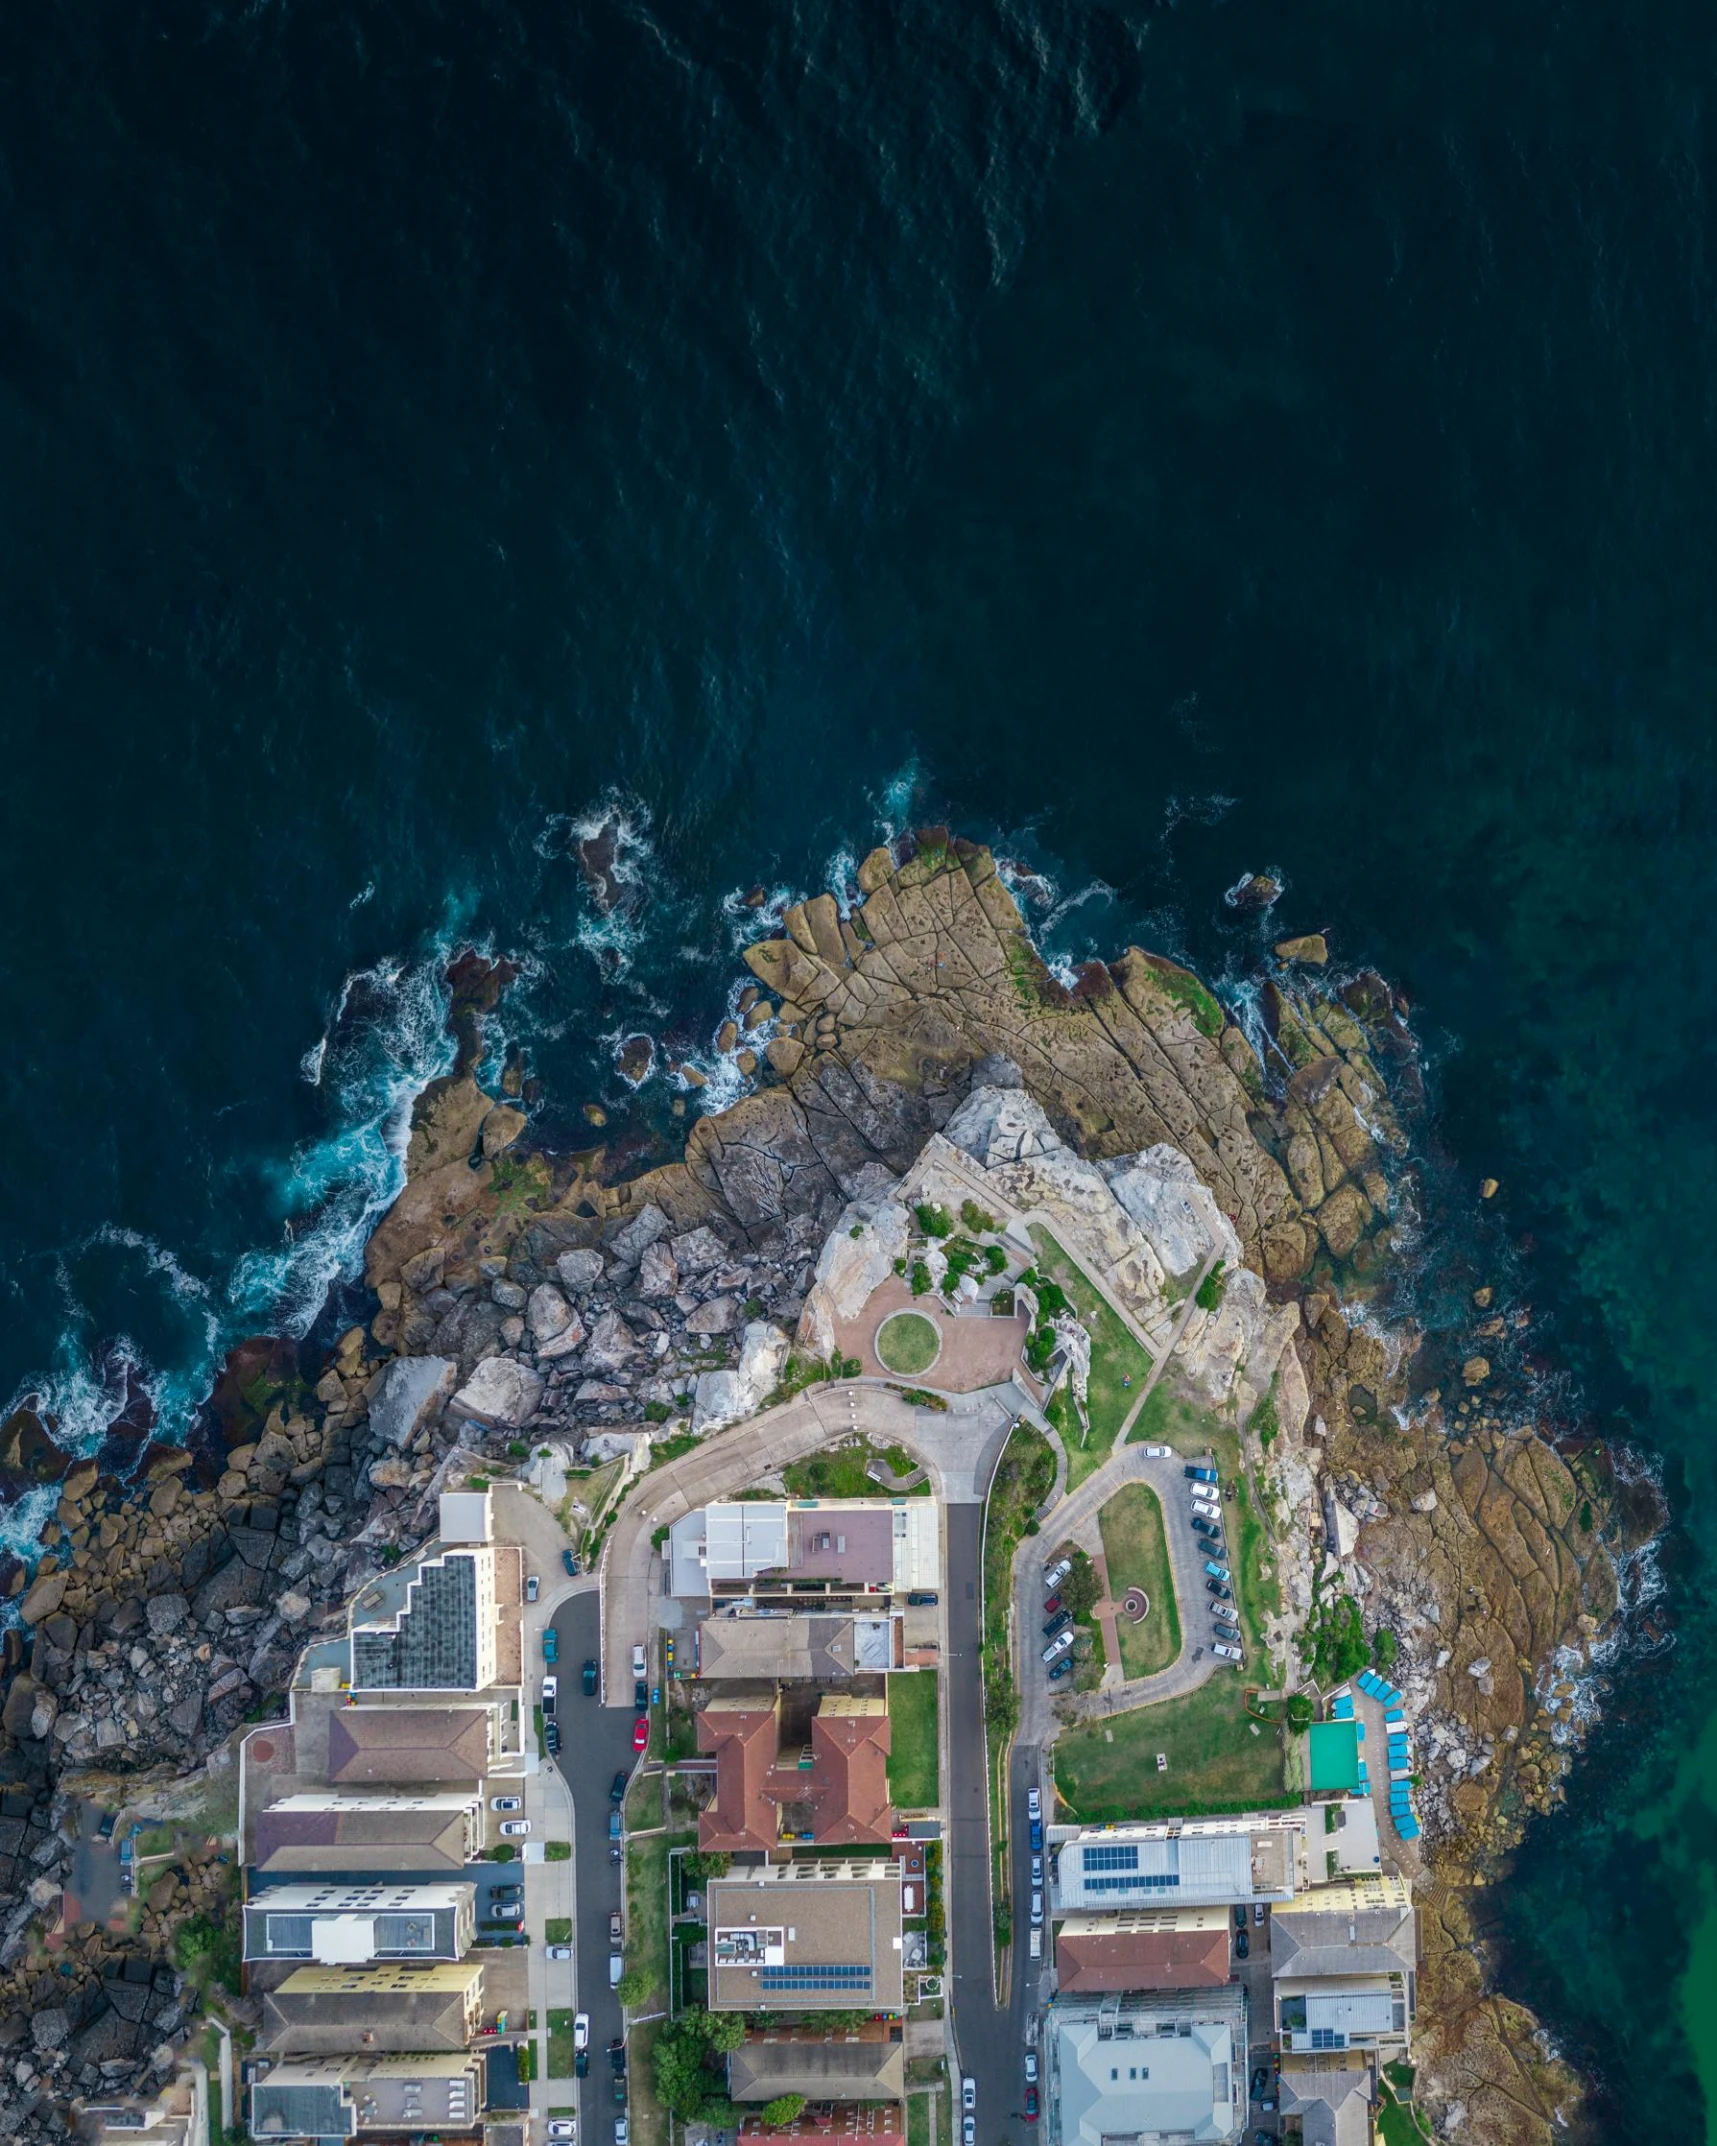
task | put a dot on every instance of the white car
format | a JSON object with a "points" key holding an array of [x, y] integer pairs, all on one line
{"points": [[1205, 1510], [1053, 1578], [1031, 2067], [1037, 1908], [968, 2093], [1037, 1870], [506, 1803], [1033, 1803], [1158, 1452], [514, 1828], [560, 1952], [969, 2131], [581, 2030], [562, 2127], [1057, 1647], [622, 2131], [1228, 1654]]}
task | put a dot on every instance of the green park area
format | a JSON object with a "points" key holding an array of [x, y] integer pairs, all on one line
{"points": [[908, 1343], [1120, 1365], [843, 1471], [1136, 1554], [912, 1769], [1218, 1759]]}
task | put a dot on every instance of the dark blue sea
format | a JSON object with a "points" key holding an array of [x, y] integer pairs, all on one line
{"points": [[1166, 442]]}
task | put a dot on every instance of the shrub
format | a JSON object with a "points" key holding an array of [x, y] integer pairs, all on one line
{"points": [[1210, 1289], [1585, 1516], [635, 1985], [995, 1258], [713, 1863], [1299, 1713], [755, 1307], [920, 1279], [518, 1451], [784, 2109], [1004, 1924], [1041, 1344], [656, 1411], [933, 1220], [1334, 1641], [900, 1265], [976, 1217], [1265, 1421], [502, 1852], [857, 1230], [527, 2061], [1384, 1647]]}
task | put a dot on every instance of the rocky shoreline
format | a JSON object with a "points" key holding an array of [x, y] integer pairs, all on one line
{"points": [[523, 1297]]}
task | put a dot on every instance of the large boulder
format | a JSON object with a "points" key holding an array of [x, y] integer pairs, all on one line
{"points": [[724, 1397], [549, 1313], [579, 1272], [857, 1258], [412, 1387], [611, 1344], [1165, 1196], [697, 1249], [645, 1227], [500, 1391], [44, 1597]]}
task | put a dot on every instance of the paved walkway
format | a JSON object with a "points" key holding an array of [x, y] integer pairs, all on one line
{"points": [[978, 1349]]}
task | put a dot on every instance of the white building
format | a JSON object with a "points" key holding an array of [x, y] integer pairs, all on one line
{"points": [[1156, 2068], [1182, 1862]]}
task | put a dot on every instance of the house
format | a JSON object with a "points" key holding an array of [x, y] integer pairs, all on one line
{"points": [[775, 1784], [1183, 1862], [1331, 2096], [322, 1833], [807, 1937], [1143, 1949], [409, 1746], [320, 2011], [820, 1648], [840, 1546], [1159, 2067], [844, 2064], [1344, 1962], [345, 1923], [841, 2123], [326, 2098]]}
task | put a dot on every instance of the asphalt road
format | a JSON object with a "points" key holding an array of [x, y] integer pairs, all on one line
{"points": [[990, 2038], [595, 1745]]}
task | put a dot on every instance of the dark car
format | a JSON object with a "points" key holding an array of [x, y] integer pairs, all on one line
{"points": [[105, 1829], [620, 2088], [581, 2064], [551, 1735], [1037, 1836], [1239, 1918], [1202, 1475], [1261, 2077], [640, 1696], [1052, 1605], [1219, 1590], [571, 1564], [921, 1598], [1204, 1527], [617, 1794], [1058, 1623], [1242, 1945], [1062, 1668], [590, 1680], [1031, 2104]]}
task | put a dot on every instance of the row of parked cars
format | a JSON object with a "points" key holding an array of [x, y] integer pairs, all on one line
{"points": [[1218, 1578], [1058, 1629]]}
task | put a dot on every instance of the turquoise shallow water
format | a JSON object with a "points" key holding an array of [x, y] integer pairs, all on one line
{"points": [[1168, 442]]}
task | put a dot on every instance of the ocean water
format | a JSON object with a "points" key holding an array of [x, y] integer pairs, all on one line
{"points": [[1165, 441]]}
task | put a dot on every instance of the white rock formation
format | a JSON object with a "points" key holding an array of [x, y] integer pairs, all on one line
{"points": [[697, 1249], [412, 1388], [500, 1391], [549, 1312], [724, 1397], [857, 1257], [1177, 1211], [1076, 1347]]}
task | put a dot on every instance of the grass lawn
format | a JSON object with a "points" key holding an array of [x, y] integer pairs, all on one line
{"points": [[1108, 1770], [647, 1915], [908, 1343], [1398, 2125], [558, 1930], [912, 1770], [1115, 1356], [1168, 1420], [644, 1803], [1135, 1549], [840, 1472], [560, 2050], [649, 2120]]}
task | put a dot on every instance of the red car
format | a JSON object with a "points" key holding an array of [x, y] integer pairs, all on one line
{"points": [[1052, 1605], [640, 1732], [1031, 2104]]}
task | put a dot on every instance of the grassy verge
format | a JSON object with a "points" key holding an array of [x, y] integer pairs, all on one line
{"points": [[1135, 1549], [1119, 1365], [647, 1917], [913, 1775], [840, 1472], [560, 2049], [1024, 1477], [649, 2119], [558, 1930], [1108, 1770], [644, 1803]]}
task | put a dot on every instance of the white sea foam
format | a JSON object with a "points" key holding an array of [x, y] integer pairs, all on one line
{"points": [[310, 1065], [366, 893]]}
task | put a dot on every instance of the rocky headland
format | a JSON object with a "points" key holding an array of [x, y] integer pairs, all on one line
{"points": [[523, 1296]]}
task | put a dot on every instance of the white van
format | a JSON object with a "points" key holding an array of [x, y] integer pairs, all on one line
{"points": [[1228, 1654], [1037, 1944], [638, 1661]]}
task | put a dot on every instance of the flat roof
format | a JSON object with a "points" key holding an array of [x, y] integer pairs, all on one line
{"points": [[807, 1937]]}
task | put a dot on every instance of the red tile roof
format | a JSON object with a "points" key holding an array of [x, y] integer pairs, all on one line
{"points": [[845, 1786]]}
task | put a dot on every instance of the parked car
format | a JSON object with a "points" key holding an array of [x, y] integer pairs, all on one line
{"points": [[571, 1564], [1037, 1870], [968, 2131], [640, 1668], [551, 1645], [614, 1926], [590, 1680], [1216, 1571], [617, 1788], [616, 1968], [506, 1803], [1031, 2067], [581, 2064], [1202, 1475], [1223, 1617], [614, 1830], [531, 1589], [504, 1898], [1228, 1653], [922, 1598], [1052, 1605], [640, 1732], [105, 1829], [1037, 1823], [559, 1952], [514, 1828], [1034, 1803], [969, 2085], [1063, 1668], [1037, 1908], [1031, 2104], [581, 2030], [551, 1735], [1222, 1592], [640, 1696], [1258, 1911], [1206, 1528], [1242, 1945], [562, 2127], [551, 1687], [622, 2132], [1058, 1623], [1261, 2077], [1240, 1918], [1203, 1510], [1058, 1572], [1058, 1646], [1158, 1452]]}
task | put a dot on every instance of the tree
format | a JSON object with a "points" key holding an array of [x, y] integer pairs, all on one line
{"points": [[635, 1985], [724, 2031], [1078, 1590], [716, 1864], [784, 2109]]}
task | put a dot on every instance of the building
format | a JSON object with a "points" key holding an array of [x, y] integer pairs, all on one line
{"points": [[842, 2064], [1143, 1949], [821, 1648], [322, 2011], [1344, 1965], [807, 1937], [343, 1924], [862, 2123], [1148, 2068], [428, 1626], [411, 1746], [324, 1834], [342, 2097], [1183, 1862], [832, 1546], [782, 1777], [1332, 2097]]}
